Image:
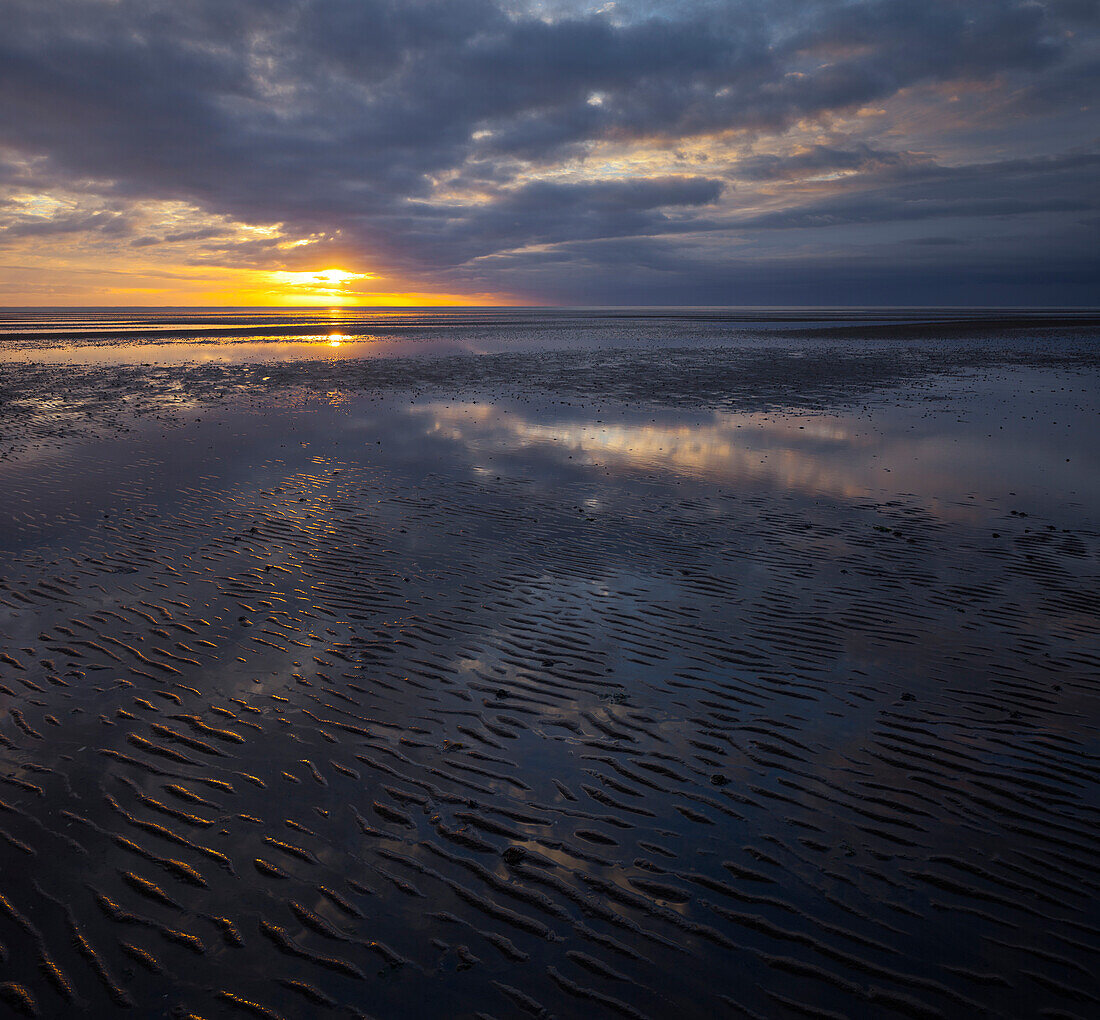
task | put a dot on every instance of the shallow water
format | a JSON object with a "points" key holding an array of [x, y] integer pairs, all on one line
{"points": [[698, 682], [203, 336]]}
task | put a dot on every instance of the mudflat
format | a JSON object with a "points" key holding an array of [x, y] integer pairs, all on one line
{"points": [[728, 673]]}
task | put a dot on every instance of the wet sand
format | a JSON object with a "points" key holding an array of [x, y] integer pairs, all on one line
{"points": [[747, 680]]}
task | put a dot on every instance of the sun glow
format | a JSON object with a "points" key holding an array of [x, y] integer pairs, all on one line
{"points": [[326, 285], [56, 278]]}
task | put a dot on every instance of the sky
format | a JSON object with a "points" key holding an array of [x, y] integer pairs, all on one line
{"points": [[537, 152]]}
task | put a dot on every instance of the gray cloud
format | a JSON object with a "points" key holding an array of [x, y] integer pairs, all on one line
{"points": [[918, 189], [109, 224], [408, 133]]}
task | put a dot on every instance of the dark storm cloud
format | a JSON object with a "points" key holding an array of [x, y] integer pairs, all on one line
{"points": [[663, 272], [821, 159], [908, 190], [546, 213], [938, 241], [111, 224], [343, 119]]}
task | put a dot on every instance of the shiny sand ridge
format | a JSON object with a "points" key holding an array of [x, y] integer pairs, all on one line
{"points": [[612, 684]]}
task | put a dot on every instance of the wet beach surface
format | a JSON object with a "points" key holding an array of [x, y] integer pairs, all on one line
{"points": [[685, 678]]}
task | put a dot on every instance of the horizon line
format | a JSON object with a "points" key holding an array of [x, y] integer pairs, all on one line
{"points": [[324, 309]]}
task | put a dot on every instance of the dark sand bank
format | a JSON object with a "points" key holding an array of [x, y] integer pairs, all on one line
{"points": [[753, 681]]}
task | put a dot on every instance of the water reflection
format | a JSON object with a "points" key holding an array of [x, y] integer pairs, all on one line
{"points": [[899, 452], [550, 679], [323, 346]]}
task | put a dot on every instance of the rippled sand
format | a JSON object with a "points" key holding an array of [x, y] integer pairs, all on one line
{"points": [[713, 682]]}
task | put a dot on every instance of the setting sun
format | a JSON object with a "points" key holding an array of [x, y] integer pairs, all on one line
{"points": [[325, 285]]}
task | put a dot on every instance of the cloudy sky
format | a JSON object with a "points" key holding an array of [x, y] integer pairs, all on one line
{"points": [[549, 151]]}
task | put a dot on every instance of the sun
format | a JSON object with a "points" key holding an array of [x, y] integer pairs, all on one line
{"points": [[321, 285], [337, 276]]}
